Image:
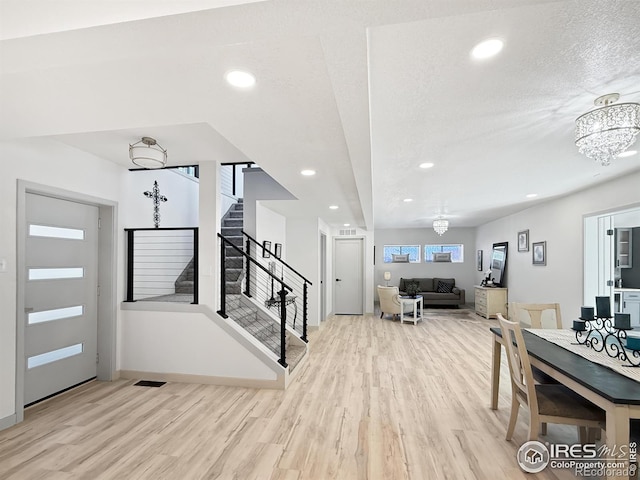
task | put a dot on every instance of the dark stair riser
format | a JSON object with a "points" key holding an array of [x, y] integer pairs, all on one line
{"points": [[231, 231], [237, 241], [184, 287], [233, 222], [232, 274]]}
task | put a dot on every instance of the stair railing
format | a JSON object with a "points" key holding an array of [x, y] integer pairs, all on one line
{"points": [[283, 291], [156, 257], [300, 285]]}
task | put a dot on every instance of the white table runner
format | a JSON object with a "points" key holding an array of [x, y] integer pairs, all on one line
{"points": [[567, 340]]}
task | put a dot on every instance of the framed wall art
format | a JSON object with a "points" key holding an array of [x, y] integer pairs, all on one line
{"points": [[539, 253], [266, 247], [523, 241]]}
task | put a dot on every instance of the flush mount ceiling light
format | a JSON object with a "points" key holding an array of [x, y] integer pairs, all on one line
{"points": [[308, 173], [240, 79], [604, 133], [487, 48], [440, 225], [426, 165], [147, 153], [333, 207]]}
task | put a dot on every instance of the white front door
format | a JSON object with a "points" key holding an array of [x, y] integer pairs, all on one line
{"points": [[60, 295], [348, 276]]}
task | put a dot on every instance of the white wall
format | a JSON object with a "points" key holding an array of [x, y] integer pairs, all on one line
{"points": [[325, 229], [210, 220], [303, 254], [258, 185], [49, 163], [560, 223], [464, 273], [185, 343], [271, 226], [180, 209]]}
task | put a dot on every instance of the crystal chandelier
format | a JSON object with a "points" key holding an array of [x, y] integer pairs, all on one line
{"points": [[440, 225], [606, 132]]}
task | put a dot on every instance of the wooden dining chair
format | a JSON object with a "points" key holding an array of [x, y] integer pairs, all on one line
{"points": [[546, 403], [534, 313]]}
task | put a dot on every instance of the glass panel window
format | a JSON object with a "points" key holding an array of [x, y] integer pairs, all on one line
{"points": [[56, 232], [57, 314], [54, 355], [401, 253], [55, 273], [456, 251]]}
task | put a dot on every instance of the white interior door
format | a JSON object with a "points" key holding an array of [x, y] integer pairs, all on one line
{"points": [[323, 277], [348, 276], [61, 254]]}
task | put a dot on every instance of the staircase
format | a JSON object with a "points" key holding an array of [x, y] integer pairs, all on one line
{"points": [[232, 230], [185, 282], [239, 308]]}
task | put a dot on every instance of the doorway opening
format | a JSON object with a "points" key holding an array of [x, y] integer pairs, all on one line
{"points": [[105, 295]]}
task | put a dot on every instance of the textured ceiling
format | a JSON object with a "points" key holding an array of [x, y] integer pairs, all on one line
{"points": [[362, 92]]}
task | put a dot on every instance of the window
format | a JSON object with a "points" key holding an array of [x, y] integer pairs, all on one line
{"points": [[456, 251], [413, 252], [55, 232]]}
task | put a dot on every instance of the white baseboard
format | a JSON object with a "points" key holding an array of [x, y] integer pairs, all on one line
{"points": [[277, 384], [7, 422]]}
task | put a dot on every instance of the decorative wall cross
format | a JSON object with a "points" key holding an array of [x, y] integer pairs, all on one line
{"points": [[157, 198]]}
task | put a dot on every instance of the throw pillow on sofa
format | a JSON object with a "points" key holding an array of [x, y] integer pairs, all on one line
{"points": [[444, 287]]}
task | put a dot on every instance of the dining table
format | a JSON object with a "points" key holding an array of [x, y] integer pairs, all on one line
{"points": [[617, 394]]}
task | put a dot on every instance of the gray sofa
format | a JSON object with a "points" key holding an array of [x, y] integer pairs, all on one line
{"points": [[435, 291]]}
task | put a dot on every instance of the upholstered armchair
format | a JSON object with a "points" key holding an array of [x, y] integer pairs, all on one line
{"points": [[389, 301]]}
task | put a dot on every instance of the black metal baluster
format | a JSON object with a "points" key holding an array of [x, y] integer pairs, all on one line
{"points": [[223, 278], [283, 328], [247, 283], [196, 246], [130, 240], [305, 304]]}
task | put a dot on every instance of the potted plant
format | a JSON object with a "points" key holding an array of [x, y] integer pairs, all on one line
{"points": [[412, 289]]}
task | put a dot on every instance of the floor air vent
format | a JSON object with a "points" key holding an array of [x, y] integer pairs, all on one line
{"points": [[149, 383]]}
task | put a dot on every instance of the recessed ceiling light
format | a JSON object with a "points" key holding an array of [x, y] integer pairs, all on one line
{"points": [[333, 207], [240, 79], [487, 48], [426, 165], [532, 195], [628, 153], [408, 200], [308, 173], [347, 224]]}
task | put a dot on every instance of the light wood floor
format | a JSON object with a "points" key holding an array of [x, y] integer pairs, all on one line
{"points": [[375, 400]]}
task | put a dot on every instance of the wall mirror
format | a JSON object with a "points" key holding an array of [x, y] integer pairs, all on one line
{"points": [[499, 263]]}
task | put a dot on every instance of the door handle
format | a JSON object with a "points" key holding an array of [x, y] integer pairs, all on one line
{"points": [[338, 279]]}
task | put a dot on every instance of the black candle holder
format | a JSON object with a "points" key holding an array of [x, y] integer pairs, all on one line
{"points": [[601, 334]]}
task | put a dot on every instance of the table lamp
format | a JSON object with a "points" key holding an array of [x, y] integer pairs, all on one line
{"points": [[387, 277]]}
